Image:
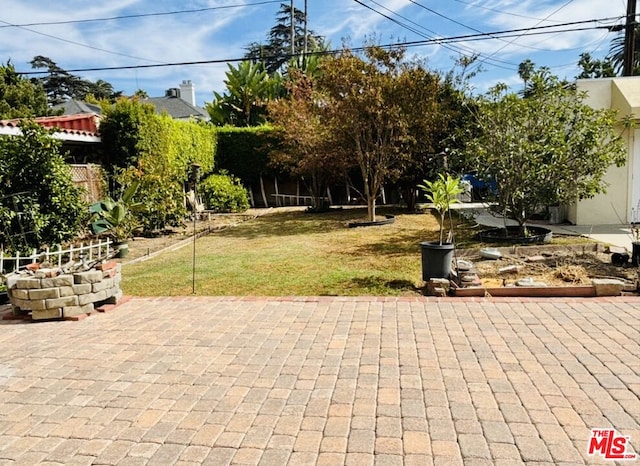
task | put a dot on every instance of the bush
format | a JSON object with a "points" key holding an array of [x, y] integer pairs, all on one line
{"points": [[224, 193], [39, 202], [156, 151]]}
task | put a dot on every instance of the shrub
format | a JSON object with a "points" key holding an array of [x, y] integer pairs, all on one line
{"points": [[39, 203], [224, 193], [157, 152]]}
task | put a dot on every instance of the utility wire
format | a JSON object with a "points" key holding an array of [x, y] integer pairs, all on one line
{"points": [[477, 4], [141, 15], [471, 28], [77, 43], [516, 38], [538, 30], [453, 49]]}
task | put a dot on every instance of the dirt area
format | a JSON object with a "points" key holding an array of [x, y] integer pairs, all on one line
{"points": [[552, 265], [148, 245]]}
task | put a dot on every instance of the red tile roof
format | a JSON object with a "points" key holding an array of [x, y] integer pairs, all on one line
{"points": [[77, 125]]}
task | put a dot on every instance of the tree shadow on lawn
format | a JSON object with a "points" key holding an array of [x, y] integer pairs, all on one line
{"points": [[302, 223], [401, 244], [380, 284]]}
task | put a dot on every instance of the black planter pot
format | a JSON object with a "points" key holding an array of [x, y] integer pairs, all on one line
{"points": [[436, 260], [635, 253], [512, 234]]}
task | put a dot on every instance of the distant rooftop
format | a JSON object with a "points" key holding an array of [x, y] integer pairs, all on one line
{"points": [[177, 107], [75, 107]]}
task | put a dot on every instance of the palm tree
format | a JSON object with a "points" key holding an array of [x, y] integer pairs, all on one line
{"points": [[616, 52]]}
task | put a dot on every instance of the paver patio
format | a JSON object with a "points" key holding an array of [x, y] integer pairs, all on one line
{"points": [[330, 381]]}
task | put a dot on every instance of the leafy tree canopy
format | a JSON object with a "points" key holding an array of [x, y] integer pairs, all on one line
{"points": [[276, 51], [61, 86], [20, 97], [544, 149], [379, 108], [594, 68]]}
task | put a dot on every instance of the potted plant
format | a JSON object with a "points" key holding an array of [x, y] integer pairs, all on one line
{"points": [[115, 217], [436, 256]]}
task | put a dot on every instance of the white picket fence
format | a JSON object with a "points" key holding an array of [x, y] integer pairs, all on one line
{"points": [[89, 252]]}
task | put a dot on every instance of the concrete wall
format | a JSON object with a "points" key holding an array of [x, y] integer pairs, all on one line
{"points": [[612, 207]]}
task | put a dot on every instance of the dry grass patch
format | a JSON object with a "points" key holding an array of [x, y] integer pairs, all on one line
{"points": [[294, 253]]}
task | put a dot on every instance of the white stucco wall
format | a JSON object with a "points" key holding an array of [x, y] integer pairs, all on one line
{"points": [[614, 206]]}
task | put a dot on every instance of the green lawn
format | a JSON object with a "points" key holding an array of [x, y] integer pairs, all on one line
{"points": [[294, 254]]}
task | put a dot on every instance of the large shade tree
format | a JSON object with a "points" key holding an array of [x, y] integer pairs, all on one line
{"points": [[306, 151], [276, 51], [367, 101], [545, 149], [61, 85]]}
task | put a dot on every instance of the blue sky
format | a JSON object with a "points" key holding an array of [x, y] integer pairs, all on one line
{"points": [[223, 33]]}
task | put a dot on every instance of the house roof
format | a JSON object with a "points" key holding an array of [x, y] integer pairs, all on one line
{"points": [[177, 108], [75, 107], [78, 128]]}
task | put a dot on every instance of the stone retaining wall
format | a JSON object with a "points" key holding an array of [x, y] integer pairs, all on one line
{"points": [[53, 294]]}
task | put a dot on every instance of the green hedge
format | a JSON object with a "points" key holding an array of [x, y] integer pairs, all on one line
{"points": [[244, 152], [159, 151]]}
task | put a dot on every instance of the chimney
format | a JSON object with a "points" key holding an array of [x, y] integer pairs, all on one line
{"points": [[173, 92], [188, 92]]}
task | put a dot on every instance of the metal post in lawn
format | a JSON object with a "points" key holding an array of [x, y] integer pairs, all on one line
{"points": [[195, 175]]}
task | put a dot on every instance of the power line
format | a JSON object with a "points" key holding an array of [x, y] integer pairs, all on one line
{"points": [[516, 38], [141, 15], [477, 5], [453, 49], [537, 30], [80, 44], [460, 23]]}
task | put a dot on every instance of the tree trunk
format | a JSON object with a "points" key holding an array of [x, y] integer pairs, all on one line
{"points": [[371, 208]]}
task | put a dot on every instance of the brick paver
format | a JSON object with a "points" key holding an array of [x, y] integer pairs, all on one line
{"points": [[379, 381]]}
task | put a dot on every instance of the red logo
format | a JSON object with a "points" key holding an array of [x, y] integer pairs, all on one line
{"points": [[609, 444]]}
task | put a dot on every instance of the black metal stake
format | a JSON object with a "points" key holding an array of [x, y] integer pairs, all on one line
{"points": [[195, 173]]}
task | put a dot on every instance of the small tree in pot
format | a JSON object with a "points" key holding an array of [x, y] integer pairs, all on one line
{"points": [[436, 257]]}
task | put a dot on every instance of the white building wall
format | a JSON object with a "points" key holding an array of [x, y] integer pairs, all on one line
{"points": [[613, 206]]}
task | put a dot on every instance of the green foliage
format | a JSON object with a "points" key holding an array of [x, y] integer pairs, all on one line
{"points": [[20, 97], [545, 149], [244, 152], [276, 51], [60, 85], [442, 194], [224, 193], [306, 151], [249, 88], [369, 111], [116, 216], [617, 52], [157, 151], [34, 175], [594, 68]]}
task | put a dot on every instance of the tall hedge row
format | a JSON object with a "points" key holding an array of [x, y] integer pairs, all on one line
{"points": [[159, 151], [244, 152]]}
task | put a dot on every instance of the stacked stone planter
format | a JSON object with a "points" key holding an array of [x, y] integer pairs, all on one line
{"points": [[50, 294]]}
